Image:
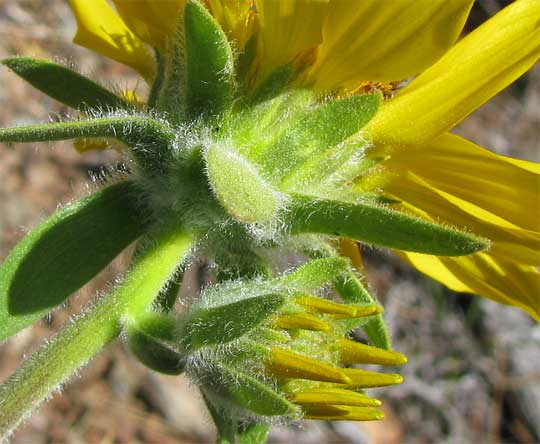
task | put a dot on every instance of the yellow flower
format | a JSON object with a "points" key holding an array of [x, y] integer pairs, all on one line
{"points": [[342, 46]]}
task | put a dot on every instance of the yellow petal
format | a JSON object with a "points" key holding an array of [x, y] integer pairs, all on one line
{"points": [[475, 69], [151, 21], [333, 396], [286, 364], [366, 379], [352, 352], [342, 413], [349, 248], [508, 240], [94, 144], [507, 188], [300, 321], [98, 144], [133, 98], [495, 278], [320, 305], [99, 28], [529, 166], [288, 29], [376, 40], [236, 17]]}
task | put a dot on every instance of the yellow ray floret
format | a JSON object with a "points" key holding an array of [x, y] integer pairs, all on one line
{"points": [[287, 29], [508, 241], [324, 306], [366, 379], [374, 40], [352, 352], [486, 61], [501, 280], [499, 186], [286, 364], [300, 320], [236, 17], [99, 28], [343, 413], [333, 396], [152, 21]]}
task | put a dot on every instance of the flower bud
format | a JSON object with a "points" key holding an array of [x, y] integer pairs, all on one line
{"points": [[281, 354]]}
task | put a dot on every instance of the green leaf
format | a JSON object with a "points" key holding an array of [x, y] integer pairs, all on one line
{"points": [[209, 63], [322, 127], [316, 273], [273, 85], [63, 84], [352, 291], [159, 80], [379, 225], [157, 325], [168, 296], [245, 60], [61, 357], [329, 172], [255, 433], [147, 338], [239, 187], [249, 393], [131, 130], [151, 140], [64, 253], [225, 323]]}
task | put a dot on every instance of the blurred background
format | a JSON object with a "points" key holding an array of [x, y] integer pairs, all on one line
{"points": [[474, 370]]}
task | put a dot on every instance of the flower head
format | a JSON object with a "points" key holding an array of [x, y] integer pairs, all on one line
{"points": [[341, 47]]}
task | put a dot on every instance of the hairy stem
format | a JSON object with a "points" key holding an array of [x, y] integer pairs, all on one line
{"points": [[76, 344]]}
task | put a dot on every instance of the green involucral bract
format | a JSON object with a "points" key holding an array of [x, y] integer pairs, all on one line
{"points": [[241, 179], [209, 64]]}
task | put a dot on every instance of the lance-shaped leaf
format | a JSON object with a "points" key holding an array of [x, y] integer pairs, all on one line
{"points": [[150, 338], [322, 127], [225, 323], [151, 139], [131, 130], [239, 187], [63, 84], [64, 253], [209, 62], [248, 392], [378, 225]]}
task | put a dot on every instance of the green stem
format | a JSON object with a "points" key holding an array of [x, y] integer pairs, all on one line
{"points": [[77, 343]]}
